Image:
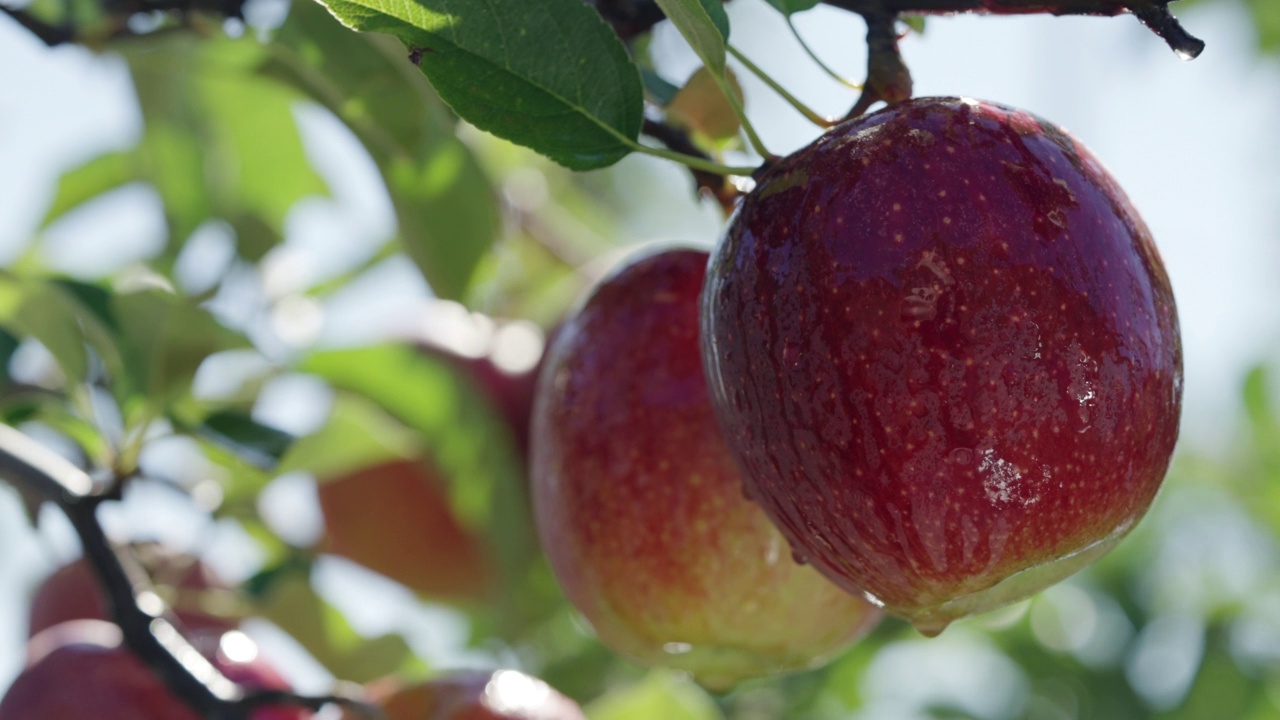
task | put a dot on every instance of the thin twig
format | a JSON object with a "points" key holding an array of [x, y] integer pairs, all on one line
{"points": [[888, 78], [141, 615], [712, 184]]}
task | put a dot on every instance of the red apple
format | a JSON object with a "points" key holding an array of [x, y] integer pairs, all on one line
{"points": [[639, 504], [72, 592], [396, 519], [80, 669], [479, 695], [943, 346]]}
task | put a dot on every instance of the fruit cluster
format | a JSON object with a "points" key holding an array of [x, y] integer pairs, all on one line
{"points": [[938, 350]]}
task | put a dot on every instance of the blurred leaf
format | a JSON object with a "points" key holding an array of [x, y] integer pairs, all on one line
{"points": [[96, 177], [446, 207], [663, 92], [218, 141], [660, 695], [1266, 23], [548, 74], [705, 25], [358, 434], [915, 22], [466, 439], [293, 605], [702, 106], [258, 444], [788, 7], [164, 338], [52, 314]]}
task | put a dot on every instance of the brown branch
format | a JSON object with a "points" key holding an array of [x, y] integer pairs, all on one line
{"points": [[888, 78], [1153, 13], [50, 35], [38, 472]]}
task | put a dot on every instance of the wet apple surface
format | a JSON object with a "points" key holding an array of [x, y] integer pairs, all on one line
{"points": [[639, 503], [943, 346]]}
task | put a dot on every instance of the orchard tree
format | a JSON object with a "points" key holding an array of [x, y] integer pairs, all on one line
{"points": [[932, 369]]}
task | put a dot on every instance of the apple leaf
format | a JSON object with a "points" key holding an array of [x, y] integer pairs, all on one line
{"points": [[50, 313], [357, 434], [705, 25], [790, 7], [291, 603], [662, 694], [96, 177], [547, 74], [702, 106], [164, 339], [446, 208], [257, 444]]}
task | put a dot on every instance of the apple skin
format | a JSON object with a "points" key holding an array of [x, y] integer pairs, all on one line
{"points": [[80, 669], [943, 346], [478, 695], [395, 518], [72, 591], [639, 504]]}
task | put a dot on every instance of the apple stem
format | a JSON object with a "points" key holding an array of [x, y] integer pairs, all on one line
{"points": [[810, 114], [795, 32], [888, 78], [41, 475]]}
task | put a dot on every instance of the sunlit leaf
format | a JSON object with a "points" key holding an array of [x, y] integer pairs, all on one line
{"points": [[705, 25], [548, 74], [98, 176], [660, 695]]}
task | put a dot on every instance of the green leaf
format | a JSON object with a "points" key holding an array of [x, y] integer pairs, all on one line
{"points": [[96, 177], [51, 314], [661, 694], [790, 7], [705, 25], [257, 444], [293, 605], [446, 207], [547, 74], [448, 215], [219, 141], [1266, 24], [358, 434], [659, 87], [164, 339]]}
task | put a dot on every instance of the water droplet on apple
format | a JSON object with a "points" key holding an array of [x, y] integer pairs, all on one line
{"points": [[799, 557], [931, 626], [962, 456]]}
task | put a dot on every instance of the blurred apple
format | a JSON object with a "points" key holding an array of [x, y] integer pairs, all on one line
{"points": [[477, 695], [80, 669], [639, 502], [188, 585], [396, 519]]}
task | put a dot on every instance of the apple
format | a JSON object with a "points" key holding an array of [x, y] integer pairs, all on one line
{"points": [[396, 519], [942, 344], [477, 695], [639, 504], [190, 586], [81, 669]]}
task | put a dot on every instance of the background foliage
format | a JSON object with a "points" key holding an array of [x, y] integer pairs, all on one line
{"points": [[163, 370]]}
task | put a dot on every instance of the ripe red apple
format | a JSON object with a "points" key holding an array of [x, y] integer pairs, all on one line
{"points": [[396, 519], [80, 669], [190, 586], [943, 346], [478, 695], [639, 504]]}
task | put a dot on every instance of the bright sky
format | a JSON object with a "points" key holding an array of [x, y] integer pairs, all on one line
{"points": [[1193, 143]]}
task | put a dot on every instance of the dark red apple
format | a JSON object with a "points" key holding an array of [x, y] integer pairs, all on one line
{"points": [[80, 669], [478, 695], [190, 586], [396, 518], [639, 504], [942, 344]]}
